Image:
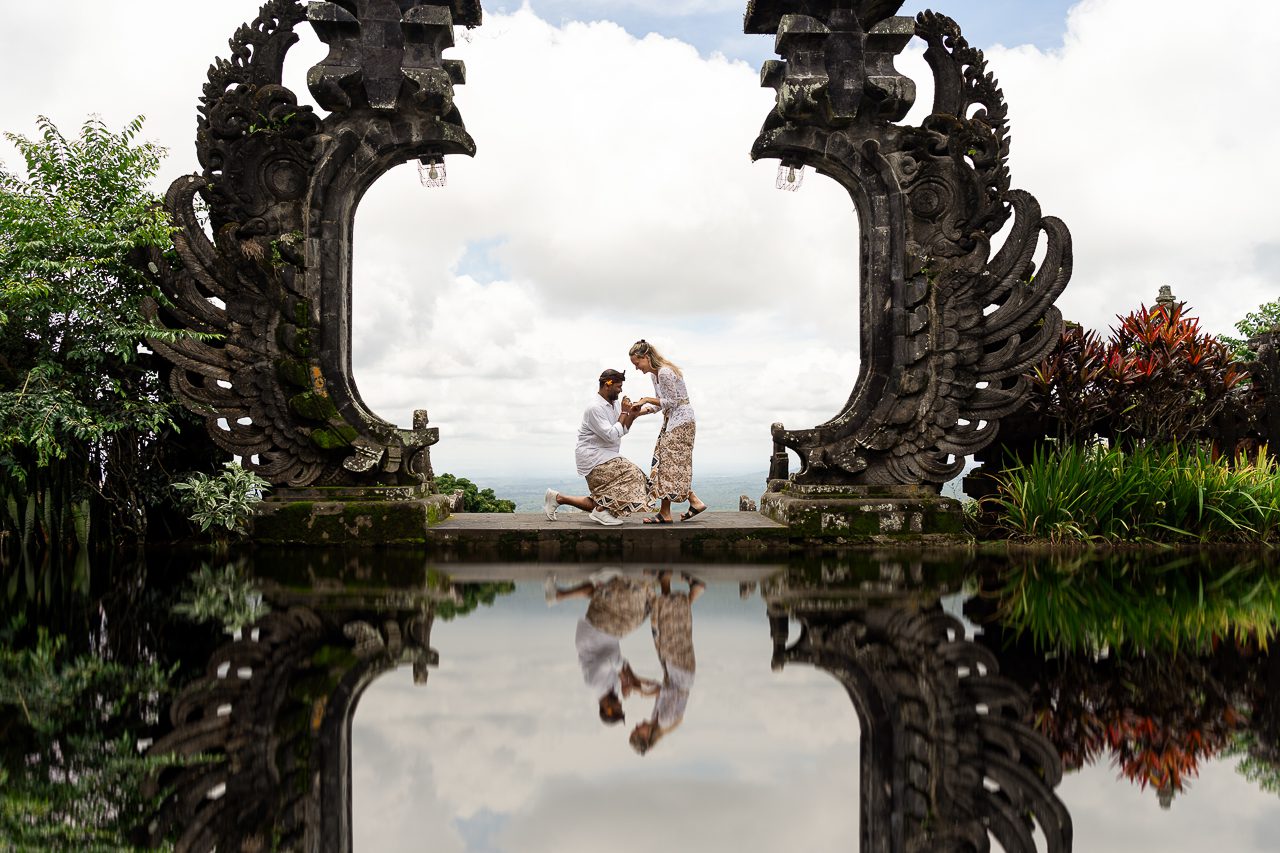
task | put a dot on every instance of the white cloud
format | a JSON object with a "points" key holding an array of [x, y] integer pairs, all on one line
{"points": [[1149, 133]]}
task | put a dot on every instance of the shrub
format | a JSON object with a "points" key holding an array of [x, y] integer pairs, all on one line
{"points": [[82, 410], [1133, 604], [1158, 377], [223, 502], [1142, 493], [222, 596], [1265, 319], [474, 499], [71, 771]]}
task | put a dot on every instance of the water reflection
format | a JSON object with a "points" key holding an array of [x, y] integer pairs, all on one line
{"points": [[947, 693], [672, 621], [617, 605]]}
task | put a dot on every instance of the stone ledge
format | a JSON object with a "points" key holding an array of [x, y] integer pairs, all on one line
{"points": [[349, 522], [846, 517], [573, 536]]}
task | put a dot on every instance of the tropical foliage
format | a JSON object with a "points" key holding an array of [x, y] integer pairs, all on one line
{"points": [[224, 502], [1158, 718], [1158, 377], [223, 596], [71, 768], [474, 499], [1156, 661], [1145, 492], [1265, 319], [83, 409]]}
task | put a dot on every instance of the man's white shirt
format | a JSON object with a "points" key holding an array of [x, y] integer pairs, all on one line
{"points": [[600, 656], [600, 436]]}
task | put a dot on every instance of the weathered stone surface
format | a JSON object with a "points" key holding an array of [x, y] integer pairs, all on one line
{"points": [[746, 504], [270, 725], [348, 522], [852, 515], [947, 329], [281, 187], [508, 536], [951, 759]]}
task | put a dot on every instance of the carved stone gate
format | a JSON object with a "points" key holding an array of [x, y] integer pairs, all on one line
{"points": [[948, 328]]}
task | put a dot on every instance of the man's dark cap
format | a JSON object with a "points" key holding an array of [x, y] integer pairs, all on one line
{"points": [[612, 376]]}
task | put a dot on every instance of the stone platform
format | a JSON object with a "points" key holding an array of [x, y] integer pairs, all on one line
{"points": [[573, 535], [791, 521]]}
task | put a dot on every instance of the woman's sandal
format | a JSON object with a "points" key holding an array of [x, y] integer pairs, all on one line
{"points": [[656, 519], [692, 512]]}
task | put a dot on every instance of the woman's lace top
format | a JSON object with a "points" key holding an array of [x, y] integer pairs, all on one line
{"points": [[669, 388]]}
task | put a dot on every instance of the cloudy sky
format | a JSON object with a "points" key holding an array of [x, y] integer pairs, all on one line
{"points": [[612, 197]]}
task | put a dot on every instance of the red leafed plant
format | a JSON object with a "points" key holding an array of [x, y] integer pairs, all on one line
{"points": [[1168, 379], [1158, 377], [1068, 386]]}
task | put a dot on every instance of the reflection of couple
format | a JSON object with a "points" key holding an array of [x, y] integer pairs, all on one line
{"points": [[616, 486], [619, 605]]}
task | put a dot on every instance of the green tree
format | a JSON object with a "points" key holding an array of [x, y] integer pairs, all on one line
{"points": [[1265, 319], [474, 499], [83, 408]]}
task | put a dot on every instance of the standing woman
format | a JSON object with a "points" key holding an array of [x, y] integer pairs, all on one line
{"points": [[671, 479]]}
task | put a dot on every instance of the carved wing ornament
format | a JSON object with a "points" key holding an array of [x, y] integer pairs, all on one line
{"points": [[269, 730], [262, 262], [949, 757], [947, 328]]}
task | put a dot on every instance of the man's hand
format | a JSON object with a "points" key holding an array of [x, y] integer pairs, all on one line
{"points": [[632, 683]]}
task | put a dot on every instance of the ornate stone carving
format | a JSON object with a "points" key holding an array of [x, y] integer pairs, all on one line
{"points": [[949, 758], [947, 329], [270, 727], [269, 287]]}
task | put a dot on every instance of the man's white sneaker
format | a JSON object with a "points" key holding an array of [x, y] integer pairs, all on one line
{"points": [[603, 516], [604, 575], [549, 505]]}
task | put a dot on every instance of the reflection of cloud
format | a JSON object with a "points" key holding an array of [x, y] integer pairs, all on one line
{"points": [[703, 814], [1219, 811], [506, 742], [393, 796]]}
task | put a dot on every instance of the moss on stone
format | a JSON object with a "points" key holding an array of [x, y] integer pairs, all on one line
{"points": [[333, 438], [339, 523], [314, 406], [293, 372]]}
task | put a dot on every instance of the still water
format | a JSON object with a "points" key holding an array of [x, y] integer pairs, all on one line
{"points": [[875, 702]]}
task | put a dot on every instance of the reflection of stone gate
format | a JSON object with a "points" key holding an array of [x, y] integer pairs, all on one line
{"points": [[269, 728], [947, 329], [950, 759]]}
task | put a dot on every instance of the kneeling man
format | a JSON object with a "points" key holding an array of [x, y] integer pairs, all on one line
{"points": [[617, 486]]}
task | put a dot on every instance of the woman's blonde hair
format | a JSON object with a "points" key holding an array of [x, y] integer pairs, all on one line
{"points": [[643, 347]]}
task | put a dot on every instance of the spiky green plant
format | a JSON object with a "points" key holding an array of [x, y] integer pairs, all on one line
{"points": [[1143, 493]]}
